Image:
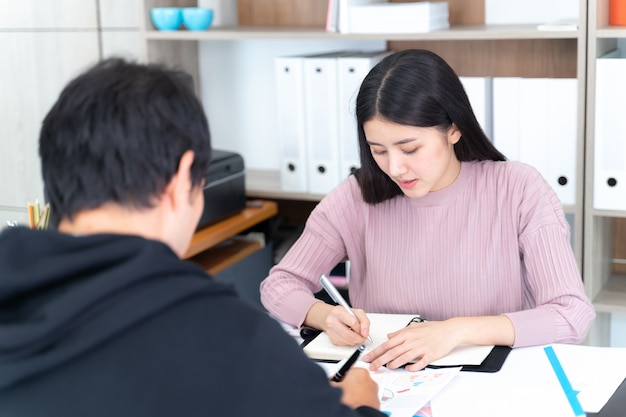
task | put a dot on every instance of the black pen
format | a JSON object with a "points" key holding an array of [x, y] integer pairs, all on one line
{"points": [[338, 377]]}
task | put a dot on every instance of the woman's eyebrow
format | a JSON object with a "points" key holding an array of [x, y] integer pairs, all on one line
{"points": [[400, 142]]}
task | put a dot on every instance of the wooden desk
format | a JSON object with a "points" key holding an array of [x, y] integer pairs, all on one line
{"points": [[214, 248]]}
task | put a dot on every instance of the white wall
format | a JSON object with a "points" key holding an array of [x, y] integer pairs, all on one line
{"points": [[44, 44], [238, 92]]}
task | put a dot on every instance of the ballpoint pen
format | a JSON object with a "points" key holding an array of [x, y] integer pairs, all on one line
{"points": [[336, 296], [338, 377]]}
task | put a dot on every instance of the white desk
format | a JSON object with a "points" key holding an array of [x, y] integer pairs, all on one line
{"points": [[527, 384]]}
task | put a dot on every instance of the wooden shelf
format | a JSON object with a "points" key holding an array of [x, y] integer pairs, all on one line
{"points": [[217, 233], [459, 32], [266, 184], [227, 253], [609, 213], [611, 32]]}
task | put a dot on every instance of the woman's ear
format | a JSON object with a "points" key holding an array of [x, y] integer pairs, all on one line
{"points": [[454, 134]]}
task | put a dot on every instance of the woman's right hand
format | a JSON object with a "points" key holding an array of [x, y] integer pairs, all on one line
{"points": [[342, 328]]}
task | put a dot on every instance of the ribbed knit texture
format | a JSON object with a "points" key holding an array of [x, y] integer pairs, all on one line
{"points": [[494, 242]]}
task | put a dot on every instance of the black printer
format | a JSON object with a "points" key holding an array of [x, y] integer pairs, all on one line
{"points": [[225, 190]]}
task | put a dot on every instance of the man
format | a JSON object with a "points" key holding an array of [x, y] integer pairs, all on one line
{"points": [[100, 317]]}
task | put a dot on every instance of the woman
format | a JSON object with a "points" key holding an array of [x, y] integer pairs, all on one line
{"points": [[435, 223]]}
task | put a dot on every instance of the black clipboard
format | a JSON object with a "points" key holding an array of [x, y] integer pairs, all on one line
{"points": [[492, 363]]}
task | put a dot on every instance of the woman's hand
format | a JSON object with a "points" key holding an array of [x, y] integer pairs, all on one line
{"points": [[342, 328], [421, 343]]}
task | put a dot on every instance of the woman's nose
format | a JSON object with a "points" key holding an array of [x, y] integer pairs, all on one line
{"points": [[396, 165]]}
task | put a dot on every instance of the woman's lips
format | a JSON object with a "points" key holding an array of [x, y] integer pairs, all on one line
{"points": [[407, 184]]}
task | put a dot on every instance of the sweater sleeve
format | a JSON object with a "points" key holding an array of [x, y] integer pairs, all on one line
{"points": [[557, 309], [288, 292]]}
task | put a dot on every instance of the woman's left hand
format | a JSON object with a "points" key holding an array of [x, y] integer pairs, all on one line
{"points": [[421, 343]]}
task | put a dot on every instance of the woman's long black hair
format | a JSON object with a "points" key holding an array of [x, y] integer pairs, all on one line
{"points": [[415, 87]]}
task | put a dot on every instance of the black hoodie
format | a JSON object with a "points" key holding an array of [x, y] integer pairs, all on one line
{"points": [[113, 325]]}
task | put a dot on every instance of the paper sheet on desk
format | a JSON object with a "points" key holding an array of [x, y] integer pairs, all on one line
{"points": [[321, 348], [464, 355], [596, 372], [403, 393], [527, 384]]}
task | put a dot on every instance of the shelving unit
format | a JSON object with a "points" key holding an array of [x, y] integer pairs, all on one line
{"points": [[471, 47], [460, 32], [604, 284], [211, 236], [227, 256]]}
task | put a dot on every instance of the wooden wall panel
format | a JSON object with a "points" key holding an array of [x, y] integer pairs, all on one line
{"points": [[312, 13], [504, 58], [307, 13]]}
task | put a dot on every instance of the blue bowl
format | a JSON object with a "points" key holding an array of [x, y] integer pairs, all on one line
{"points": [[197, 18], [166, 18]]}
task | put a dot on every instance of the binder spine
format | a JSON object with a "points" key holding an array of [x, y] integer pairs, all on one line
{"points": [[290, 106], [321, 121], [609, 188]]}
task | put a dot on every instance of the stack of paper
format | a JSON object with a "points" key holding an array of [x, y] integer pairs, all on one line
{"points": [[416, 17], [338, 19]]}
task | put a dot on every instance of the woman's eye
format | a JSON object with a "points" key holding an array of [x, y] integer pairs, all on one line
{"points": [[410, 151], [377, 152]]}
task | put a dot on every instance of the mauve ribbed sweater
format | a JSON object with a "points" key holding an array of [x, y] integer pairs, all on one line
{"points": [[494, 242]]}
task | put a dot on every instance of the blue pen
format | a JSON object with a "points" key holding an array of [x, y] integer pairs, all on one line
{"points": [[336, 296]]}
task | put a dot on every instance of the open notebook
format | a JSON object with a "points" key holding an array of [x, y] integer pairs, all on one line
{"points": [[471, 357]]}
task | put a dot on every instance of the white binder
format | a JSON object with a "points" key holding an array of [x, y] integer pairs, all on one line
{"points": [[480, 93], [352, 69], [561, 137], [548, 132], [290, 108], [322, 121], [534, 123], [609, 177], [506, 116]]}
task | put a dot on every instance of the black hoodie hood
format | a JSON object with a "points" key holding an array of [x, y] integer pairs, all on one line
{"points": [[62, 295]]}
